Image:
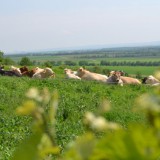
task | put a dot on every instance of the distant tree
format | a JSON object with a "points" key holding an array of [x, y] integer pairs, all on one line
{"points": [[48, 64], [97, 69], [70, 63], [34, 62], [25, 61], [1, 56], [59, 63], [8, 61], [53, 63], [83, 63]]}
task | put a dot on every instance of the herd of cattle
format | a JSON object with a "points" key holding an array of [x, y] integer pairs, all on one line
{"points": [[24, 71], [115, 77]]}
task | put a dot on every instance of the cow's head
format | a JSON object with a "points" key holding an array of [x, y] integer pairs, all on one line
{"points": [[1, 67], [115, 77], [80, 72], [151, 80], [144, 80], [24, 69]]}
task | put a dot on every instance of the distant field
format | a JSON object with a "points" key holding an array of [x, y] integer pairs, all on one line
{"points": [[76, 58], [131, 70]]}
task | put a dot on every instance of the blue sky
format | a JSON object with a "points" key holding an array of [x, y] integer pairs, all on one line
{"points": [[30, 25]]}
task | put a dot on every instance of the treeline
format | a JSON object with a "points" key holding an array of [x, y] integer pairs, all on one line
{"points": [[103, 63], [27, 61], [130, 63]]}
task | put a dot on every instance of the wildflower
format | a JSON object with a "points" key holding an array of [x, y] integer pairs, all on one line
{"points": [[32, 93], [89, 117], [105, 106], [27, 108], [99, 123]]}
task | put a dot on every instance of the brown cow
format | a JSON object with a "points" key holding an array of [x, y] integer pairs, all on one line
{"points": [[127, 80], [25, 71]]}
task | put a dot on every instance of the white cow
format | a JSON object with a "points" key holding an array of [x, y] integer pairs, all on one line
{"points": [[16, 70], [87, 75], [44, 73], [151, 80], [71, 74]]}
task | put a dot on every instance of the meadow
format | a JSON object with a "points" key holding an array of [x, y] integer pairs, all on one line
{"points": [[75, 98], [77, 58]]}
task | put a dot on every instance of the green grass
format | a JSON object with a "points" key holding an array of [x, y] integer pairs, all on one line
{"points": [[76, 97], [133, 70]]}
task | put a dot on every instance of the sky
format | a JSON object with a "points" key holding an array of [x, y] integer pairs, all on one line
{"points": [[34, 25]]}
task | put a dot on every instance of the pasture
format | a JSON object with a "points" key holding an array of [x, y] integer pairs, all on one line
{"points": [[75, 98], [77, 58]]}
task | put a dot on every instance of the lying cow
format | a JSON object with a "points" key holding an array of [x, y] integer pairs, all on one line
{"points": [[127, 80], [26, 72], [16, 70], [114, 79], [151, 80], [8, 73], [44, 73], [71, 74], [87, 75]]}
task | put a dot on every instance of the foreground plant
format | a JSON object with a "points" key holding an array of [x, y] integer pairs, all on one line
{"points": [[42, 106]]}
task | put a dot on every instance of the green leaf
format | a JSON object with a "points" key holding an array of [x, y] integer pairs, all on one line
{"points": [[29, 148]]}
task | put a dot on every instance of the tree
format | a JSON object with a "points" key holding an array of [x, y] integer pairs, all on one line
{"points": [[48, 64], [1, 56], [25, 61], [8, 61]]}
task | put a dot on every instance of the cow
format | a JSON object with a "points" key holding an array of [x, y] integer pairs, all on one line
{"points": [[127, 80], [150, 80], [1, 67], [87, 75], [16, 70], [71, 74], [114, 79], [24, 70], [44, 73], [8, 73]]}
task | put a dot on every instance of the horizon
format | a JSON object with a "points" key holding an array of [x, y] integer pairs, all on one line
{"points": [[28, 25], [90, 48]]}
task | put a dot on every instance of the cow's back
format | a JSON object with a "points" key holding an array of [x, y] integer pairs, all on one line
{"points": [[130, 80], [94, 76]]}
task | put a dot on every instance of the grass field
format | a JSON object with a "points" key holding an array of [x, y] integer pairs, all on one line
{"points": [[75, 98]]}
